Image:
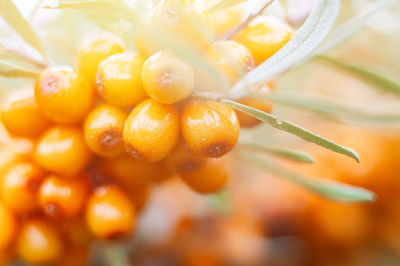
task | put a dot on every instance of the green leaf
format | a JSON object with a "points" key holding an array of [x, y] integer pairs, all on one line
{"points": [[224, 4], [307, 38], [326, 188], [329, 109], [292, 128], [352, 26], [11, 14], [294, 155], [378, 80], [13, 70]]}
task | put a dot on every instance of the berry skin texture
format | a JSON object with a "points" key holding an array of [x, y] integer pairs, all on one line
{"points": [[63, 198], [95, 50], [167, 79], [103, 130], [264, 37], [39, 242], [211, 129], [62, 151], [247, 121], [21, 115], [151, 130], [210, 178], [63, 95], [20, 185], [119, 80], [110, 213], [9, 226]]}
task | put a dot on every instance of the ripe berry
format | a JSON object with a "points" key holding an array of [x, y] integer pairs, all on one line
{"points": [[110, 213], [9, 226], [119, 80], [39, 242], [63, 95], [211, 129], [20, 185], [209, 178], [151, 130], [249, 121], [167, 79], [63, 198], [183, 160], [103, 130], [264, 37], [227, 19], [63, 151], [96, 50], [21, 115]]}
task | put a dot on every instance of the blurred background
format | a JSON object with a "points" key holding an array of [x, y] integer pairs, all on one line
{"points": [[260, 219]]}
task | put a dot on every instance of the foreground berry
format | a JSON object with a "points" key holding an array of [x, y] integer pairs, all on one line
{"points": [[211, 129], [9, 226], [151, 130], [63, 95]]}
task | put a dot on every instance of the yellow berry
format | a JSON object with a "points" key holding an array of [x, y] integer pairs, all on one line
{"points": [[183, 160], [63, 151], [264, 37], [103, 130], [211, 129], [63, 95], [110, 213], [151, 130], [247, 120], [227, 19], [167, 79], [21, 115], [9, 226], [119, 80], [95, 50]]}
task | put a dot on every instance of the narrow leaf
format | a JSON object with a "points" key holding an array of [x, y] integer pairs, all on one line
{"points": [[330, 109], [8, 69], [11, 14], [292, 128], [224, 4], [378, 80], [294, 155], [307, 38], [326, 188]]}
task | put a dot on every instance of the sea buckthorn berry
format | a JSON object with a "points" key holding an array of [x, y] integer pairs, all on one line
{"points": [[20, 185], [212, 177], [211, 129], [95, 50], [103, 130], [63, 151], [9, 226], [63, 95], [247, 120], [227, 19], [119, 80], [74, 256], [182, 160], [264, 37], [39, 242], [63, 198], [167, 79], [151, 130], [110, 213], [139, 197], [21, 115]]}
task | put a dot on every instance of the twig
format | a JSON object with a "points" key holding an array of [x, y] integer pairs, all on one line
{"points": [[245, 23]]}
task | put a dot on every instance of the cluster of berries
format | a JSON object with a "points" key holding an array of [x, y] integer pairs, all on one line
{"points": [[102, 134]]}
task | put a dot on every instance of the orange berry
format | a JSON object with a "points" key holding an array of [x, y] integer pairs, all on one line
{"points": [[249, 121], [119, 80], [63, 151], [167, 79], [208, 179], [103, 130], [63, 95], [151, 130], [211, 129], [21, 115], [75, 256], [63, 198], [9, 226], [264, 37], [39, 242], [139, 197], [95, 50], [20, 185], [183, 160], [110, 213], [76, 232]]}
